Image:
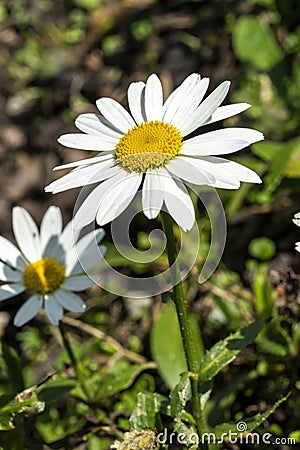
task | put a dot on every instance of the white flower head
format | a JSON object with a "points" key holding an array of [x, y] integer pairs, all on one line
{"points": [[47, 265], [296, 221], [151, 146]]}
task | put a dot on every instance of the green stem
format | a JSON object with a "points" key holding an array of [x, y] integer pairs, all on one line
{"points": [[73, 360], [185, 329]]}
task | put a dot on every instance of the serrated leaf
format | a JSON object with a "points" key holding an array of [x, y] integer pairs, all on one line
{"points": [[17, 406], [147, 408], [249, 425], [255, 43], [183, 422], [180, 395], [167, 347], [225, 351]]}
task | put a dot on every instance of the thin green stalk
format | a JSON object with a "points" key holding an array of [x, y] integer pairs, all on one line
{"points": [[73, 359], [185, 329]]}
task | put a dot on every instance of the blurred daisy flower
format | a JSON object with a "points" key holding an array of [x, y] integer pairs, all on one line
{"points": [[296, 221], [47, 265], [151, 146]]}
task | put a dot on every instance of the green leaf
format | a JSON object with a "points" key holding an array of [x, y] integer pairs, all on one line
{"points": [[263, 294], [274, 339], [14, 367], [292, 169], [120, 377], [284, 159], [225, 351], [180, 395], [97, 443], [279, 155], [55, 389], [146, 411], [295, 435], [166, 346], [249, 425], [255, 43]]}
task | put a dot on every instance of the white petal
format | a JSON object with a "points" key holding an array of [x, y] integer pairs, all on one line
{"points": [[77, 283], [224, 178], [153, 98], [53, 308], [86, 162], [195, 148], [69, 236], [70, 301], [179, 203], [190, 103], [152, 194], [86, 253], [225, 134], [87, 142], [206, 109], [239, 171], [84, 176], [10, 290], [117, 198], [51, 225], [223, 112], [297, 246], [9, 274], [26, 234], [175, 98], [28, 310], [183, 168], [65, 246], [88, 210], [136, 101], [95, 124], [11, 255], [296, 220], [116, 114]]}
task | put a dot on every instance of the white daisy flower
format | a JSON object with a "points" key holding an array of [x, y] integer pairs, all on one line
{"points": [[296, 221], [47, 265], [151, 147]]}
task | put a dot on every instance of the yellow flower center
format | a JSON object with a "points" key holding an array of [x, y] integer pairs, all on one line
{"points": [[148, 146], [44, 276]]}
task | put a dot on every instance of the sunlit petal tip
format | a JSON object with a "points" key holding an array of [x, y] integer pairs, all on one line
{"points": [[26, 233], [60, 138], [151, 213]]}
